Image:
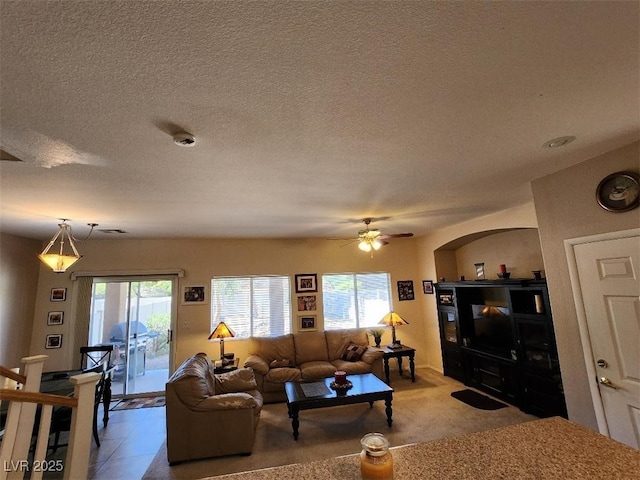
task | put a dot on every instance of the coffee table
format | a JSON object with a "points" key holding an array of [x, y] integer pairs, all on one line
{"points": [[365, 388]]}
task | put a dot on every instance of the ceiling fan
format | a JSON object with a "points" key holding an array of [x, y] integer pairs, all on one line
{"points": [[371, 239]]}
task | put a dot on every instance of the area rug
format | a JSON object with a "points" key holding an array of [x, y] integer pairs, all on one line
{"points": [[422, 411], [477, 400], [142, 402]]}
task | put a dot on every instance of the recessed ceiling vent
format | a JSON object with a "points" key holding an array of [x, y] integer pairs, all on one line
{"points": [[7, 157]]}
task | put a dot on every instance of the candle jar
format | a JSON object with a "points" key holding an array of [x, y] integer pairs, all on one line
{"points": [[340, 377], [376, 462]]}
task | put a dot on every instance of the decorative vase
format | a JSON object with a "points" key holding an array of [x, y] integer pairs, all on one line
{"points": [[378, 340]]}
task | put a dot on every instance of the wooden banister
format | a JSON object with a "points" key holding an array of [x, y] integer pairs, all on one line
{"points": [[16, 377], [36, 397], [20, 422]]}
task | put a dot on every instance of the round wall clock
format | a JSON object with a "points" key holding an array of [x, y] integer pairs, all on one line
{"points": [[618, 192]]}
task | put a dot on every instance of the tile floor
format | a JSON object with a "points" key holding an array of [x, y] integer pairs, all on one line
{"points": [[128, 444]]}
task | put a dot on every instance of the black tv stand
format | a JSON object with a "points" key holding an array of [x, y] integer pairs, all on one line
{"points": [[519, 366]]}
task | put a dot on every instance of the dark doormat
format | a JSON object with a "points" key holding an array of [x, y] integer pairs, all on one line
{"points": [[477, 400]]}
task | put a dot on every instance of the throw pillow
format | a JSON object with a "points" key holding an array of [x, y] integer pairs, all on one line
{"points": [[283, 363], [354, 352]]}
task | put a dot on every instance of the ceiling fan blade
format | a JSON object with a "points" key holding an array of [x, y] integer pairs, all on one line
{"points": [[350, 242], [396, 235]]}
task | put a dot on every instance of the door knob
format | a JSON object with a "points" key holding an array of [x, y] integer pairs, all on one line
{"points": [[607, 383], [602, 363]]}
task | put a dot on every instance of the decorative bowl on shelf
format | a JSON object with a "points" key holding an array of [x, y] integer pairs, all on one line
{"points": [[504, 275]]}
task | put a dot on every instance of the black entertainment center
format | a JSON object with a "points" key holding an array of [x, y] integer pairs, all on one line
{"points": [[497, 336]]}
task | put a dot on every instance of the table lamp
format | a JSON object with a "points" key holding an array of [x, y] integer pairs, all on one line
{"points": [[392, 319], [221, 331]]}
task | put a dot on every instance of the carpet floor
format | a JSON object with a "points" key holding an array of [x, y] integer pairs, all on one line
{"points": [[422, 411]]}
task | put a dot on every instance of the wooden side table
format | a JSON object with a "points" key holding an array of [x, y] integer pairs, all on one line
{"points": [[398, 353]]}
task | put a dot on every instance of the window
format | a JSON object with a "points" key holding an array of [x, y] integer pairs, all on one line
{"points": [[252, 306], [353, 300]]}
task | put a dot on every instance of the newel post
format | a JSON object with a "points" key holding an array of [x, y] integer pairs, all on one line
{"points": [[77, 461]]}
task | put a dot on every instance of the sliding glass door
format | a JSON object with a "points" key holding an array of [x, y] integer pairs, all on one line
{"points": [[136, 316]]}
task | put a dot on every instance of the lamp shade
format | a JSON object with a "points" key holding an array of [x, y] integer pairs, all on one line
{"points": [[392, 319], [58, 263], [221, 331]]}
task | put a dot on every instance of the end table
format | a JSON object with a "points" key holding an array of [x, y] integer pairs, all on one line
{"points": [[398, 353], [218, 367]]}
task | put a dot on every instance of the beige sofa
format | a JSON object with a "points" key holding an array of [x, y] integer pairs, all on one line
{"points": [[210, 415], [309, 356]]}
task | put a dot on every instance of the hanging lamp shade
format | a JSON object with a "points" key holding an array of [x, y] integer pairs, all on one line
{"points": [[60, 261]]}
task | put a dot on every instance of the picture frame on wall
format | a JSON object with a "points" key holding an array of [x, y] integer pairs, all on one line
{"points": [[427, 287], [194, 295], [55, 318], [307, 303], [307, 323], [53, 341], [306, 282], [58, 294], [405, 290]]}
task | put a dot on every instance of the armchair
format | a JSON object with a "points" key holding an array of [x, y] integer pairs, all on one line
{"points": [[210, 415]]}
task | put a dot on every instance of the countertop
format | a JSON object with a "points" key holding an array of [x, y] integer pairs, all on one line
{"points": [[552, 448]]}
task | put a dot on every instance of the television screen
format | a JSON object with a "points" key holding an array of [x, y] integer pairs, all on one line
{"points": [[492, 330]]}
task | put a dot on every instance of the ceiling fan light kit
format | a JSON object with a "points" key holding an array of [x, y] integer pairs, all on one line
{"points": [[370, 240]]}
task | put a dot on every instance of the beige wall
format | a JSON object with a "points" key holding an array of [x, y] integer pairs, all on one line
{"points": [[519, 250], [18, 284], [566, 208], [203, 258]]}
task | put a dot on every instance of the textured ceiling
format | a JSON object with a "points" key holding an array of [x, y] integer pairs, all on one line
{"points": [[308, 115]]}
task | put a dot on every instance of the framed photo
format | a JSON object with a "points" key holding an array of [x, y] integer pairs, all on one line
{"points": [[306, 282], [55, 318], [54, 341], [307, 303], [446, 299], [405, 290], [427, 287], [308, 323], [58, 294], [194, 295]]}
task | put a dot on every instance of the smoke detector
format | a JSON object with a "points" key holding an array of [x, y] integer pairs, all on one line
{"points": [[184, 139]]}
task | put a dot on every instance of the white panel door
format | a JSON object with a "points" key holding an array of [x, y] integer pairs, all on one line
{"points": [[609, 281]]}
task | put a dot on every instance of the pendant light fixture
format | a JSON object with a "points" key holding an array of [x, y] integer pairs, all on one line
{"points": [[59, 262]]}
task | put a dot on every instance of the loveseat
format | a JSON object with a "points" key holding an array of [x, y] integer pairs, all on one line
{"points": [[309, 356], [210, 415]]}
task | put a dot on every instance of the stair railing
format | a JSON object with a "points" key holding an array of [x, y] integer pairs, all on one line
{"points": [[14, 450]]}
